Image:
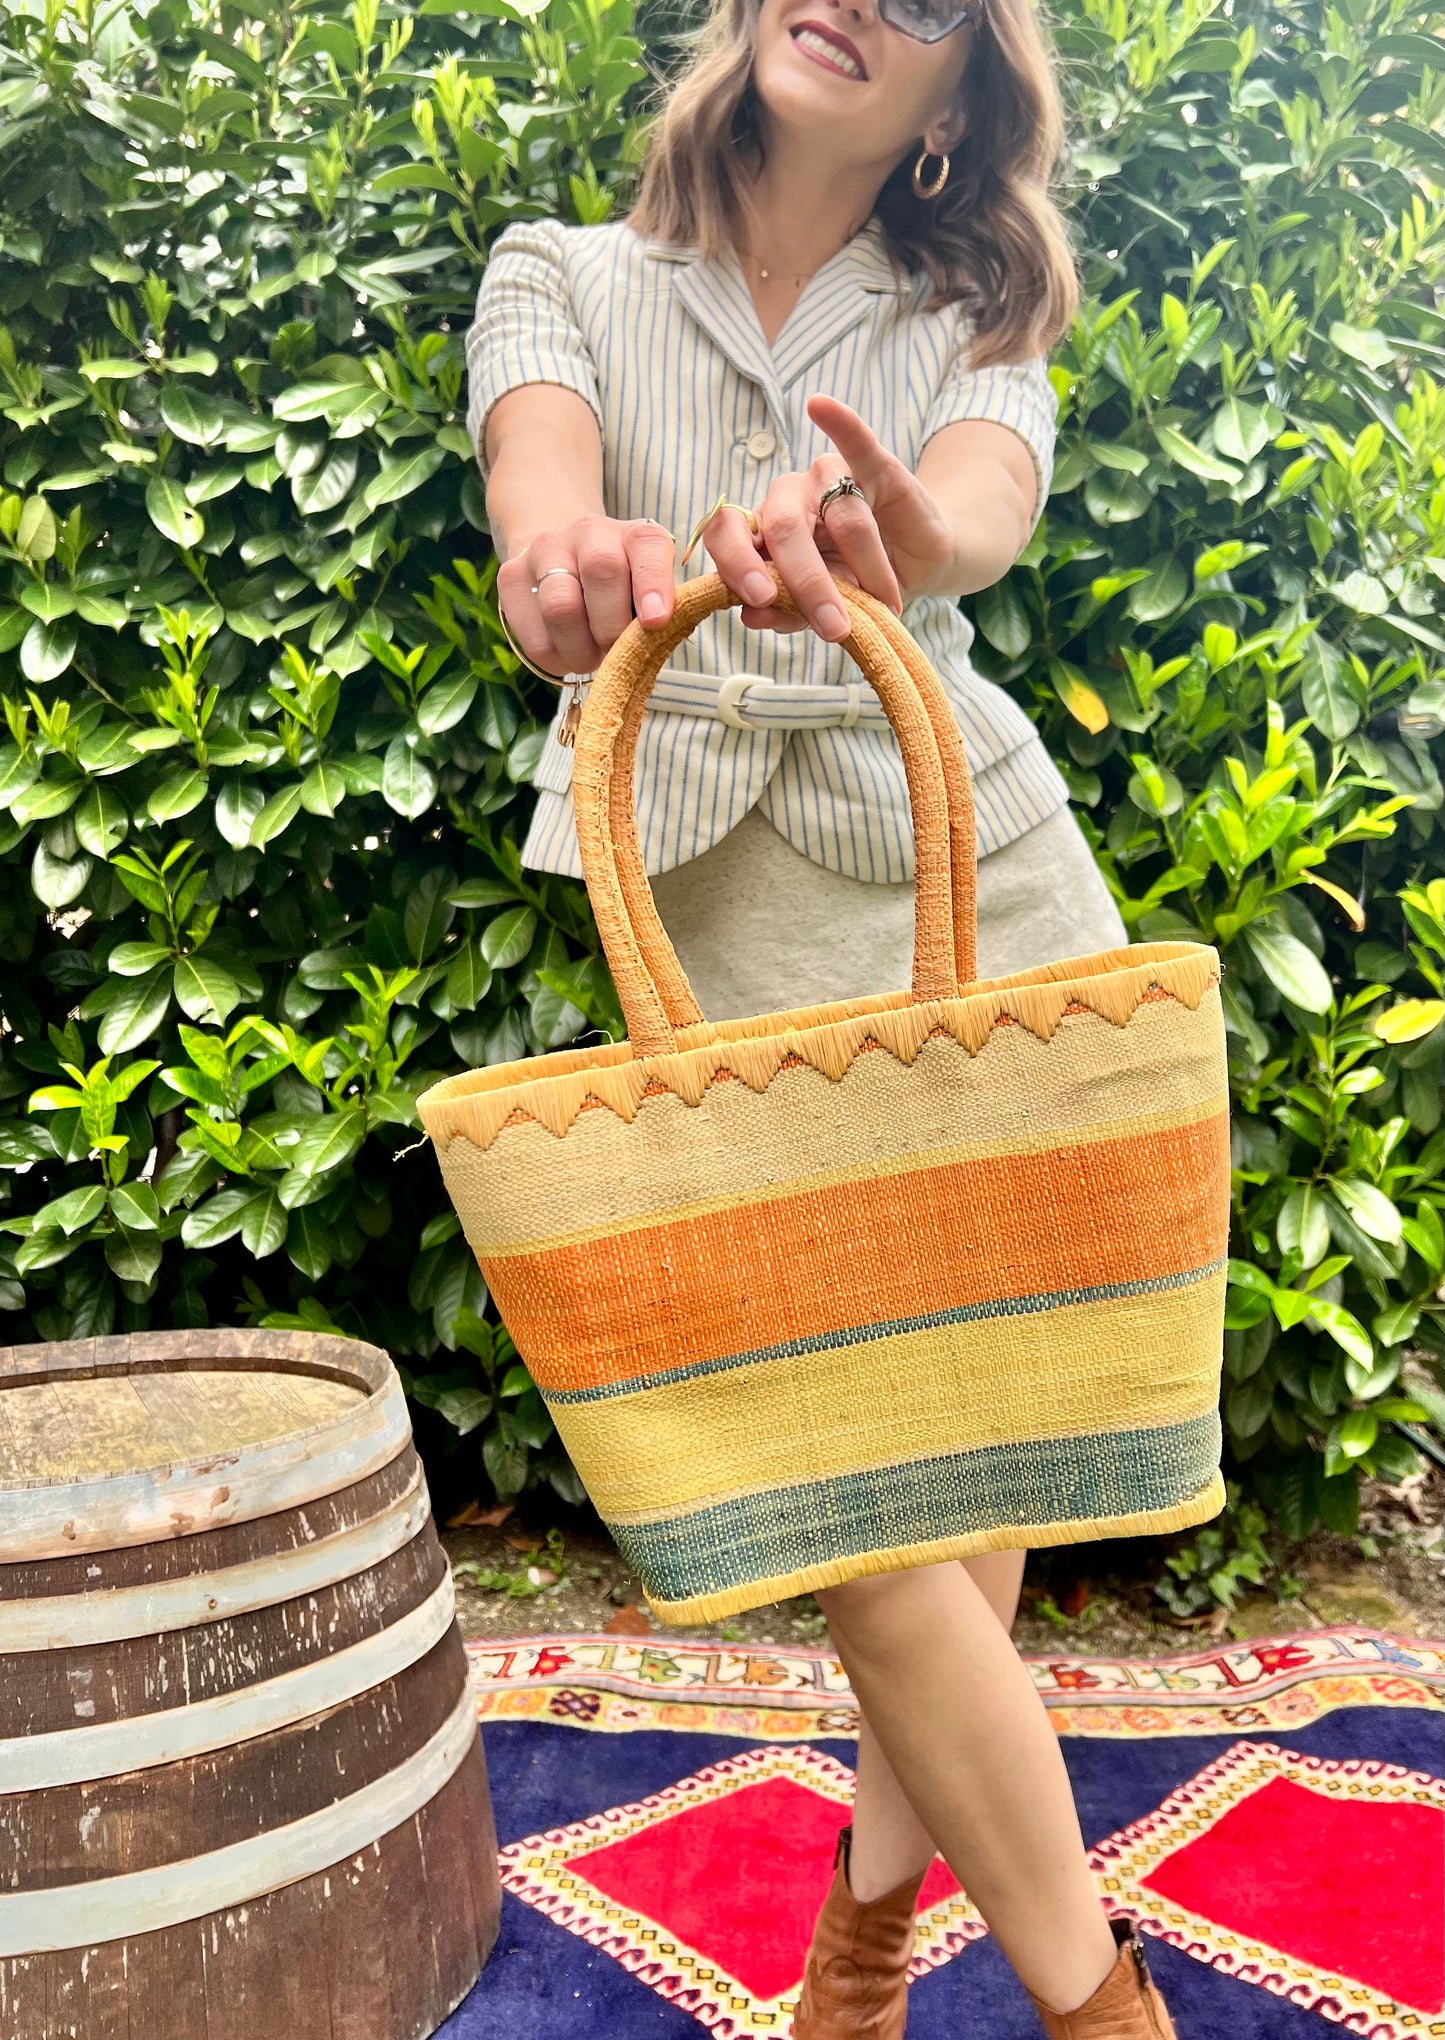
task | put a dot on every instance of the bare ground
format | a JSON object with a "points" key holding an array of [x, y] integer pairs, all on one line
{"points": [[531, 1574]]}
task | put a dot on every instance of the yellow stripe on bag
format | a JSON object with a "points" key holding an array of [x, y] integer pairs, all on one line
{"points": [[1093, 1081], [1138, 1361]]}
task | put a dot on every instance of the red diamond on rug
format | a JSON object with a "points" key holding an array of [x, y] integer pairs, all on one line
{"points": [[1319, 1880], [1352, 1886], [707, 1891], [739, 1879]]}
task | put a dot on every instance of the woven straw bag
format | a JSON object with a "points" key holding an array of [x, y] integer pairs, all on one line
{"points": [[871, 1284]]}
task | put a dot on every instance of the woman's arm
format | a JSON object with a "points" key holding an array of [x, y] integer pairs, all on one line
{"points": [[544, 503]]}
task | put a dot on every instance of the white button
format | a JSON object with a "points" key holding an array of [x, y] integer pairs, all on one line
{"points": [[761, 445]]}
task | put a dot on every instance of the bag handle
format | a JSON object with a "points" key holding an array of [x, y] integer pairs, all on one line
{"points": [[652, 986]]}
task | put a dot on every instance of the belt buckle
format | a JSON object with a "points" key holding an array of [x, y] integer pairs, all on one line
{"points": [[730, 691]]}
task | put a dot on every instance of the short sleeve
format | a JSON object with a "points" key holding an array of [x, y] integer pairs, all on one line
{"points": [[1017, 394], [526, 328]]}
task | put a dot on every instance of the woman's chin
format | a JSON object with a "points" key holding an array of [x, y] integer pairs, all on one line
{"points": [[809, 101]]}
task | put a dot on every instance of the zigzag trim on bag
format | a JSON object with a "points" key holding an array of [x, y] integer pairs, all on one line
{"points": [[623, 1081]]}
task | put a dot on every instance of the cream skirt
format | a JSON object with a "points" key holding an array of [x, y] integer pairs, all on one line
{"points": [[759, 927]]}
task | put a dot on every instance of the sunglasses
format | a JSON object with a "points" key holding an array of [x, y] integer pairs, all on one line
{"points": [[928, 21]]}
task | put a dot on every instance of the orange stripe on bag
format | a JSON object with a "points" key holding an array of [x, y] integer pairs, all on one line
{"points": [[979, 1232]]}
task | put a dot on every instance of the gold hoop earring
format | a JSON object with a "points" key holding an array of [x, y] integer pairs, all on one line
{"points": [[928, 192]]}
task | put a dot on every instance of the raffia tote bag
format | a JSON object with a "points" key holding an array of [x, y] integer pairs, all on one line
{"points": [[871, 1284]]}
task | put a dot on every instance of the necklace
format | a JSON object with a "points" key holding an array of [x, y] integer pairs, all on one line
{"points": [[797, 278]]}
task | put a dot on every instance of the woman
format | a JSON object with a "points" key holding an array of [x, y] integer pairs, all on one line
{"points": [[830, 307]]}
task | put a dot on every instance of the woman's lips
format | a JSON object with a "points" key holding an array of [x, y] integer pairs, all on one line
{"points": [[834, 52]]}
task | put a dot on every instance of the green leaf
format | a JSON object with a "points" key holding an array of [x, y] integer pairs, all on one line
{"points": [[205, 991], [101, 821], [192, 414], [57, 881], [135, 959], [482, 892], [171, 514], [416, 177], [508, 940], [326, 486], [217, 1220], [1153, 787], [1184, 453], [1328, 691], [49, 600], [1372, 348], [238, 804], [1303, 1227], [1345, 1329], [1114, 498], [428, 914], [401, 474], [323, 790], [275, 816], [177, 795], [1240, 430], [1355, 1433], [328, 1142], [1393, 1326], [263, 1224], [136, 1014], [468, 978], [1369, 1207], [1164, 590], [135, 1206], [445, 702], [408, 783], [1003, 619], [73, 1212], [1291, 968], [36, 532], [349, 405], [309, 1242], [134, 1259], [47, 649]]}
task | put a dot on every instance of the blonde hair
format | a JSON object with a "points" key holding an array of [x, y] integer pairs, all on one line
{"points": [[994, 241]]}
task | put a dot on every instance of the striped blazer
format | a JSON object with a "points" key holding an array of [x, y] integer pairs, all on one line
{"points": [[692, 403]]}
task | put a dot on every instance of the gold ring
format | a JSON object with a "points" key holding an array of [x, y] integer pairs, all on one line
{"points": [[700, 527]]}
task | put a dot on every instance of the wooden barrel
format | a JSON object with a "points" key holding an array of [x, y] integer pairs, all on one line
{"points": [[242, 1791]]}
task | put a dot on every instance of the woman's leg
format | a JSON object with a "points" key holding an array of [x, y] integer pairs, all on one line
{"points": [[965, 1734], [890, 1842]]}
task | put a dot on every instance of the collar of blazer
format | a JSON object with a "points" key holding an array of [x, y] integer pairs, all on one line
{"points": [[845, 291]]}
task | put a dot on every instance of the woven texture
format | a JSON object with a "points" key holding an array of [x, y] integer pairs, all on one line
{"points": [[853, 1287]]}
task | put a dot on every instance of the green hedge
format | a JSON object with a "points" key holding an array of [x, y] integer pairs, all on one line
{"points": [[267, 753]]}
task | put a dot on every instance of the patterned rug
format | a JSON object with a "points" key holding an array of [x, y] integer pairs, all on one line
{"points": [[1271, 1813]]}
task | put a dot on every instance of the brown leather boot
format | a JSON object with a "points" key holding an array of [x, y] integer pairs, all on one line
{"points": [[1126, 2006], [856, 1985]]}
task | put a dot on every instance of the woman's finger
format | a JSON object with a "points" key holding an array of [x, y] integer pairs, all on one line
{"points": [[556, 587], [852, 532], [863, 452], [605, 572], [733, 550], [650, 552], [789, 520]]}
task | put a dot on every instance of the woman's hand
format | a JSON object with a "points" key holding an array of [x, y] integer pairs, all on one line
{"points": [[891, 542], [569, 594]]}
